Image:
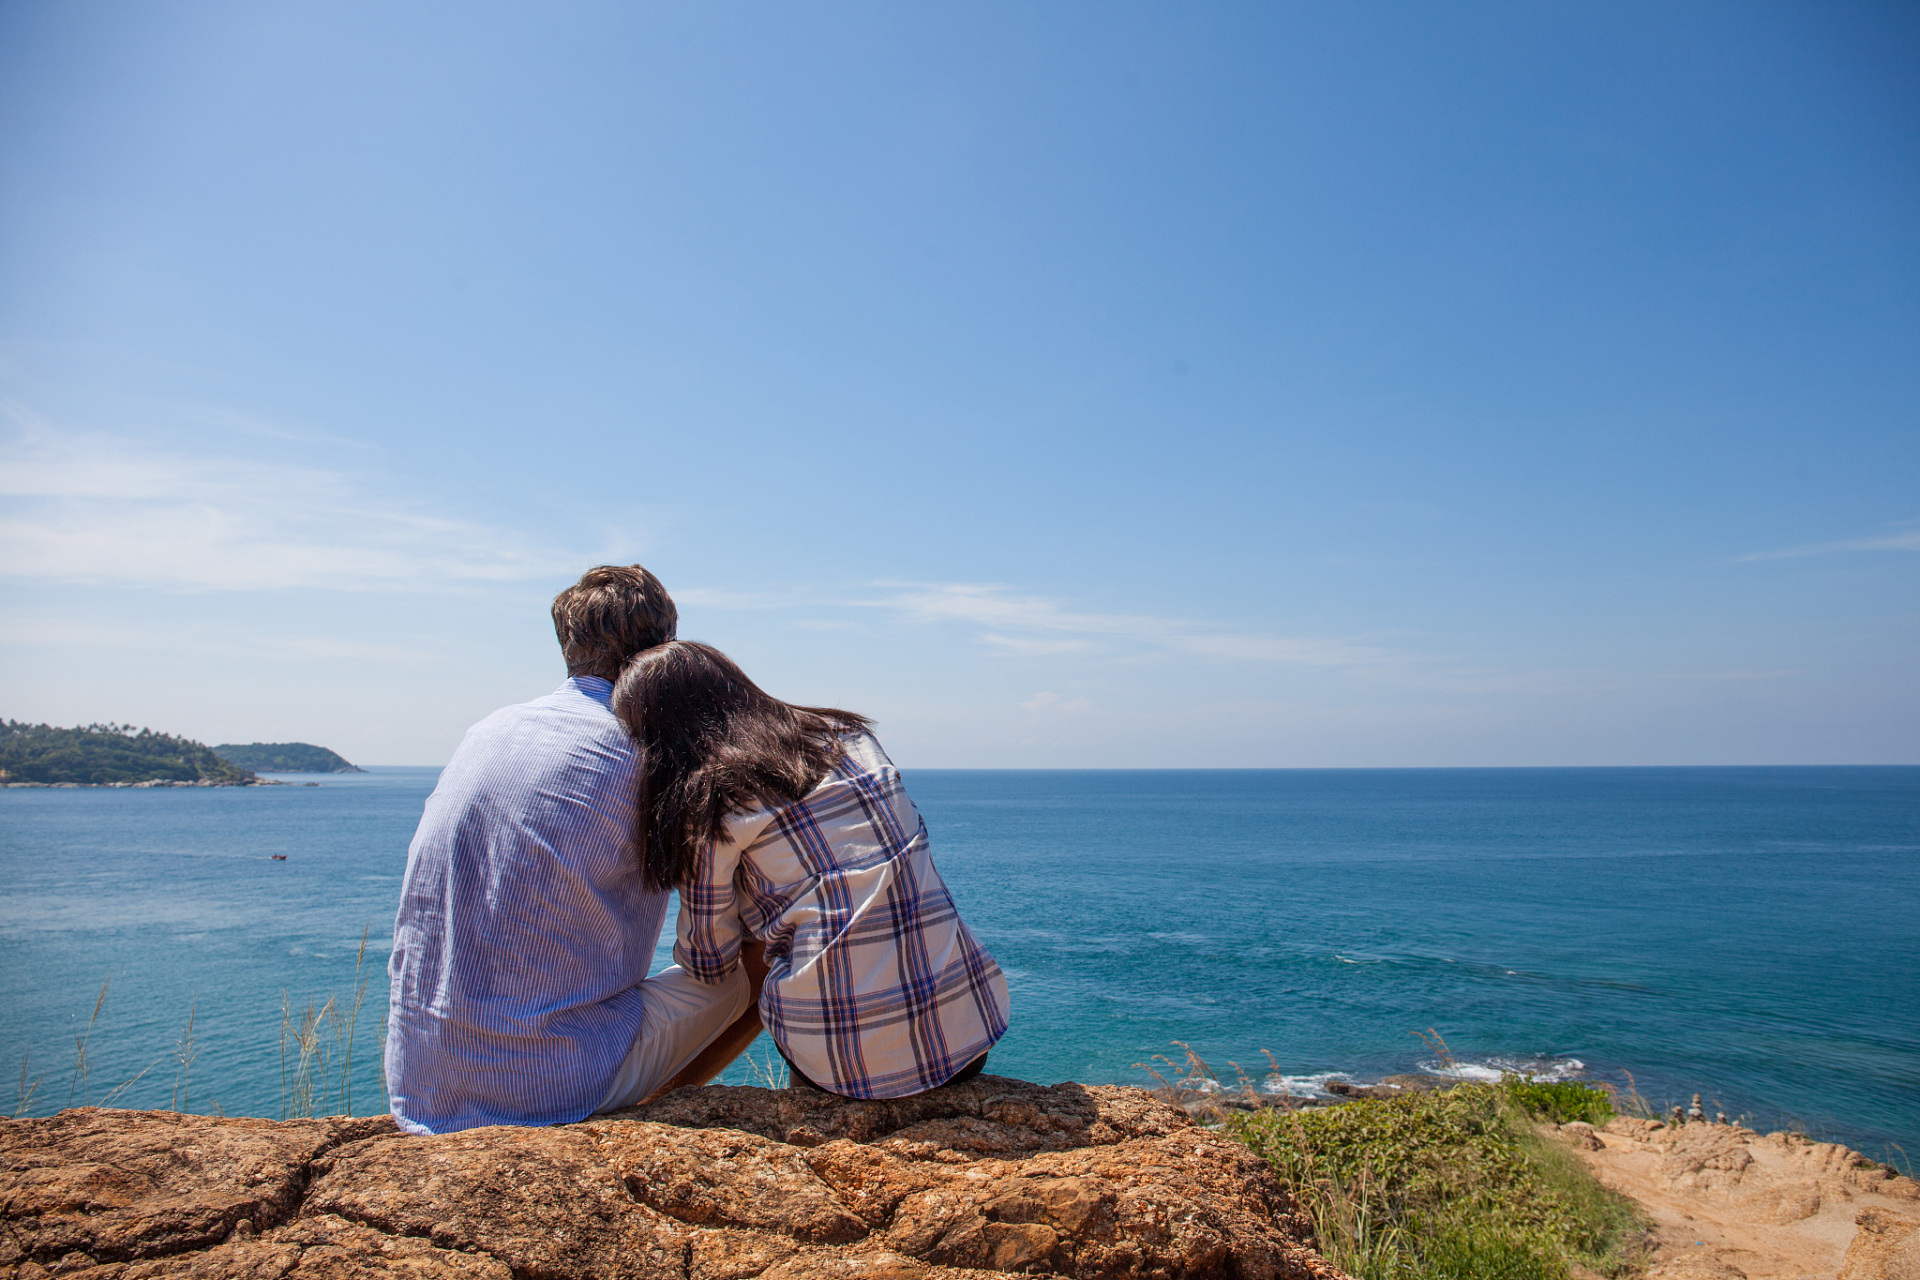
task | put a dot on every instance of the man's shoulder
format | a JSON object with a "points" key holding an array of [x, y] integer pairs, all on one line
{"points": [[563, 730], [574, 706]]}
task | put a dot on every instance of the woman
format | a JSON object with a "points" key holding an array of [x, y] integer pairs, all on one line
{"points": [[790, 825]]}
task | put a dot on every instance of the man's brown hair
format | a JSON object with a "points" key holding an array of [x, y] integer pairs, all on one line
{"points": [[612, 613]]}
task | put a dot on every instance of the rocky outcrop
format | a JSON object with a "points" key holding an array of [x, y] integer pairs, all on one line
{"points": [[1887, 1247], [992, 1176], [1728, 1203]]}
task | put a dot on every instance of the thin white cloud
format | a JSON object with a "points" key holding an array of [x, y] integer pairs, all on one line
{"points": [[1053, 702], [206, 642], [1033, 625], [1907, 541], [93, 507], [1032, 646]]}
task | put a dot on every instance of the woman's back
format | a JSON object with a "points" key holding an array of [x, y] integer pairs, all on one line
{"points": [[875, 987]]}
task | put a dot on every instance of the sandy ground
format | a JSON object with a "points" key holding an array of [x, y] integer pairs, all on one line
{"points": [[1732, 1204]]}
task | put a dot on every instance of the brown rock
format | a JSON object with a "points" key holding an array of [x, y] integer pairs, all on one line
{"points": [[1190, 1204], [117, 1185], [1706, 1157], [1780, 1203], [722, 1177], [1579, 1133], [1724, 1200], [1633, 1127], [1411, 1082], [323, 1248], [870, 1266], [986, 1114], [1702, 1265], [1887, 1247], [990, 1177], [725, 1254], [547, 1202], [869, 1181]]}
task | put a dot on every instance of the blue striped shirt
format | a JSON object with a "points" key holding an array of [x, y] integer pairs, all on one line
{"points": [[524, 928]]}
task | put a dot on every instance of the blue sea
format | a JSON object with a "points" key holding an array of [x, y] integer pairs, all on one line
{"points": [[1752, 935]]}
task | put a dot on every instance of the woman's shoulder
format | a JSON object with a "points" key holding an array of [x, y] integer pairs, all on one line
{"points": [[864, 753], [862, 756], [743, 828]]}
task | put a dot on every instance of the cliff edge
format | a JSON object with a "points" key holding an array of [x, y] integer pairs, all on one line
{"points": [[976, 1180]]}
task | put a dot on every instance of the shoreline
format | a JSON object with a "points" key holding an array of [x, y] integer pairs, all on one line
{"points": [[150, 783]]}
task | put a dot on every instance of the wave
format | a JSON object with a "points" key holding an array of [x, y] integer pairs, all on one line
{"points": [[1313, 1085], [1552, 1070]]}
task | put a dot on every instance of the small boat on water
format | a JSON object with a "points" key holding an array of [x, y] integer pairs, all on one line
{"points": [[279, 857]]}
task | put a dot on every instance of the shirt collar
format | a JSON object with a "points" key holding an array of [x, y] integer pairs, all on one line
{"points": [[596, 687]]}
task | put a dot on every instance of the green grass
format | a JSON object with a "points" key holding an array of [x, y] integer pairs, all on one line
{"points": [[1454, 1185]]}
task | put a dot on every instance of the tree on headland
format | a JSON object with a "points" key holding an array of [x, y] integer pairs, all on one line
{"points": [[98, 754]]}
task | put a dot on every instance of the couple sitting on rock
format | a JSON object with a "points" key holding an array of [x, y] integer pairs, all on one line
{"points": [[538, 882]]}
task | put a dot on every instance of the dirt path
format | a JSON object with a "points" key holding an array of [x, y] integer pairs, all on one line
{"points": [[1732, 1204]]}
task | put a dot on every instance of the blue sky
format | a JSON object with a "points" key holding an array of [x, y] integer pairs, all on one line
{"points": [[1064, 385]]}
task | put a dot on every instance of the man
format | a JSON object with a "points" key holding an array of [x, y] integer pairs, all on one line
{"points": [[520, 952]]}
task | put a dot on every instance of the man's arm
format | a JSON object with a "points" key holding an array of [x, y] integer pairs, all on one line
{"points": [[733, 1041]]}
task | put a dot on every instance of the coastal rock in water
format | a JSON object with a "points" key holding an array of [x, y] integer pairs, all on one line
{"points": [[991, 1176], [1887, 1247], [1414, 1083]]}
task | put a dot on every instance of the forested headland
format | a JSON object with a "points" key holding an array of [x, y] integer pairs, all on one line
{"points": [[109, 754]]}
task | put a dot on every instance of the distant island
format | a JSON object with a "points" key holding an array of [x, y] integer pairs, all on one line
{"points": [[104, 755], [284, 757]]}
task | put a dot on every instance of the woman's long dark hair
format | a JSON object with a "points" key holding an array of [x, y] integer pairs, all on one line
{"points": [[713, 744]]}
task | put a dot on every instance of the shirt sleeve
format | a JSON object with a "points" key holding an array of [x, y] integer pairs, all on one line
{"points": [[708, 939]]}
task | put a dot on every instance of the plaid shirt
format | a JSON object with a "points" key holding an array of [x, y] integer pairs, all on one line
{"points": [[875, 988]]}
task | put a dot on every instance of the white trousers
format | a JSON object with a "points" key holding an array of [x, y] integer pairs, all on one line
{"points": [[678, 1018]]}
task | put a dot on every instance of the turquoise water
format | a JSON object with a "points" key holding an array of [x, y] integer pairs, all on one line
{"points": [[1750, 934]]}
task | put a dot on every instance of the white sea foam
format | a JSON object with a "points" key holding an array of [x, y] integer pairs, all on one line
{"points": [[1307, 1086], [1499, 1068], [1465, 1071], [1314, 1084]]}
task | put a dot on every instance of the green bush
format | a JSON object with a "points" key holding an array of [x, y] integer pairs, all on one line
{"points": [[1443, 1186], [1560, 1101]]}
